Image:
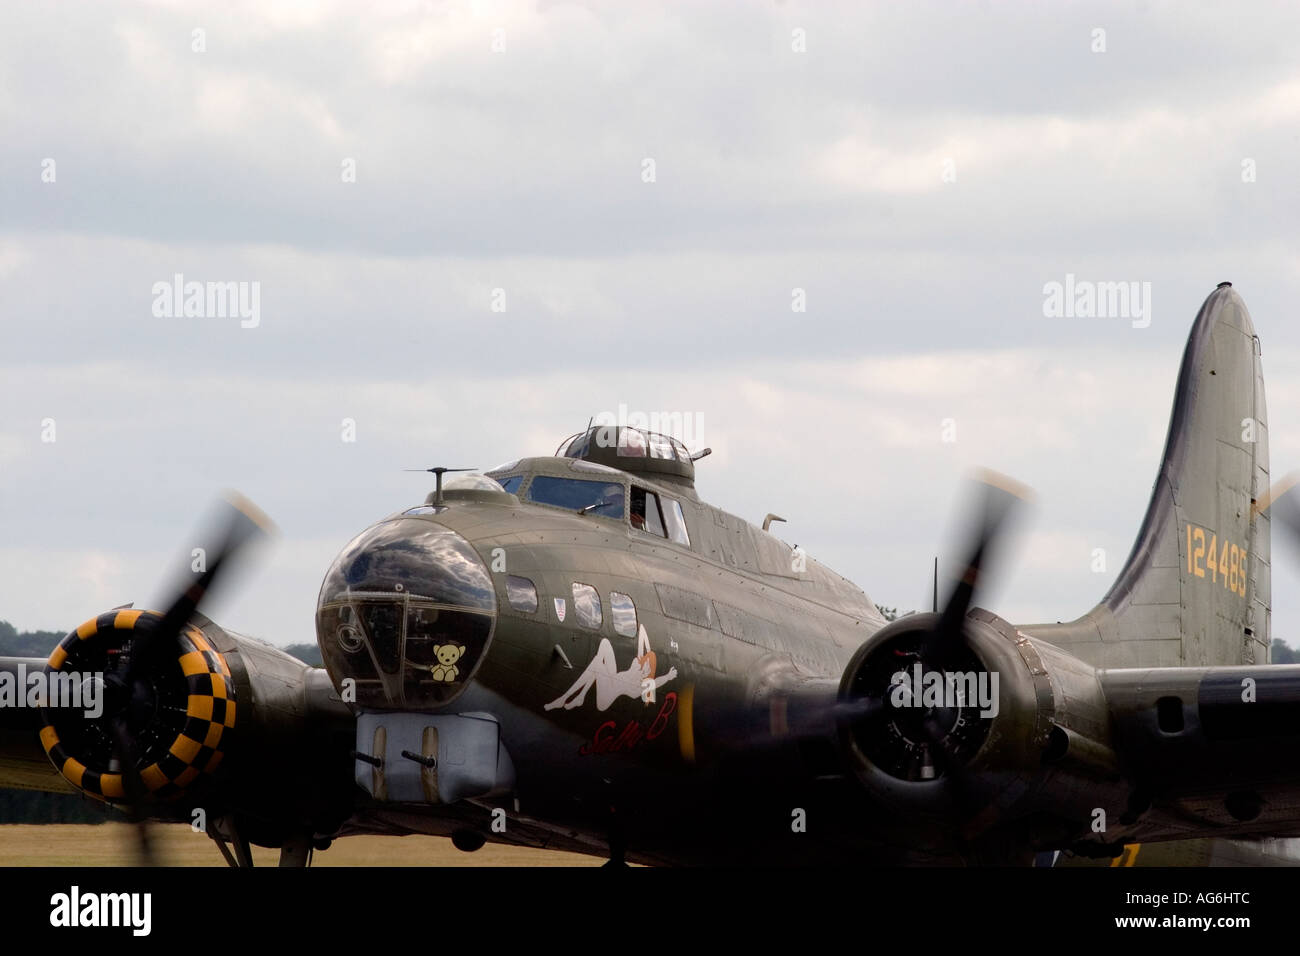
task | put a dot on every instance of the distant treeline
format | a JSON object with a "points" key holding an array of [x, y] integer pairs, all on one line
{"points": [[37, 806], [15, 643], [1282, 653]]}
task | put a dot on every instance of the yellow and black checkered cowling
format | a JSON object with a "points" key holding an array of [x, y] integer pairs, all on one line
{"points": [[178, 747]]}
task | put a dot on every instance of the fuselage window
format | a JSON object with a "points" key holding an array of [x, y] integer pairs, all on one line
{"points": [[586, 604], [599, 498], [623, 612], [645, 512], [512, 483], [521, 593], [676, 521]]}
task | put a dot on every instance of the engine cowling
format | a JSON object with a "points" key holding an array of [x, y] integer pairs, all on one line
{"points": [[180, 732], [1006, 728]]}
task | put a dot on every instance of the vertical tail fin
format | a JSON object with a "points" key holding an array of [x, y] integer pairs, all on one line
{"points": [[1195, 589]]}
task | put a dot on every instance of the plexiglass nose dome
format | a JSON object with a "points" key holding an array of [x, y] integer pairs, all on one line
{"points": [[407, 611]]}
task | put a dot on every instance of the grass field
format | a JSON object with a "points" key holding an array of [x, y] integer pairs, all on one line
{"points": [[114, 844]]}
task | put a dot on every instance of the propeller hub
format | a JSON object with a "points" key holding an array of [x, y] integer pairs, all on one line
{"points": [[173, 713], [931, 709]]}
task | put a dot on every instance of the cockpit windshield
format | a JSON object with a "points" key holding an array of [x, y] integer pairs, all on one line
{"points": [[601, 498]]}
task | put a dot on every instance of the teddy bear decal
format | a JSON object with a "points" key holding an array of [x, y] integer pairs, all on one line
{"points": [[447, 670]]}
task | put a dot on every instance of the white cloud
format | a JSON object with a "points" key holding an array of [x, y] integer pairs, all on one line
{"points": [[521, 170]]}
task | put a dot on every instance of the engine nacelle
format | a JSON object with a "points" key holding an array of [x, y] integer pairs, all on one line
{"points": [[1006, 727], [180, 737], [292, 727]]}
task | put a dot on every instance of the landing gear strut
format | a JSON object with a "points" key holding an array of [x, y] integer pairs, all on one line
{"points": [[617, 841], [232, 840], [226, 834]]}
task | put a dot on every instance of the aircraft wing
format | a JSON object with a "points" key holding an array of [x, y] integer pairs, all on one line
{"points": [[23, 762], [1208, 750]]}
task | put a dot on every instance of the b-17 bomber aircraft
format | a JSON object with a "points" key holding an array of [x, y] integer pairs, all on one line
{"points": [[579, 652]]}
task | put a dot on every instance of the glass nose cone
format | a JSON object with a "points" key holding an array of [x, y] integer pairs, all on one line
{"points": [[407, 611]]}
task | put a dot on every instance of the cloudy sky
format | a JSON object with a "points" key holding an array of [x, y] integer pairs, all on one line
{"points": [[473, 226]]}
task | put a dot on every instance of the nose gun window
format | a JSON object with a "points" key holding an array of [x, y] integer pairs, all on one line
{"points": [[623, 612], [521, 594], [586, 604]]}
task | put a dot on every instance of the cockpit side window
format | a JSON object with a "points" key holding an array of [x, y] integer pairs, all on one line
{"points": [[511, 484], [645, 512], [676, 522]]}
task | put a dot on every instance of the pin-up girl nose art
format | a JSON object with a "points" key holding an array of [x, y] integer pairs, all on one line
{"points": [[612, 683]]}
